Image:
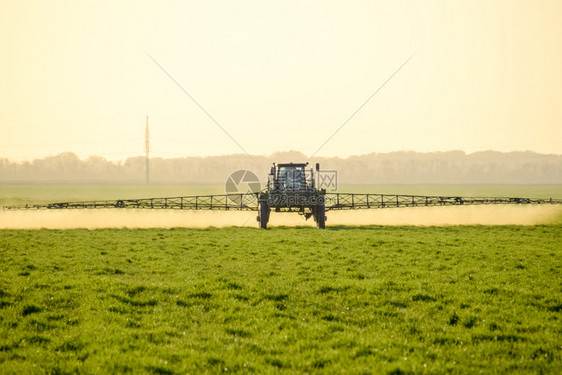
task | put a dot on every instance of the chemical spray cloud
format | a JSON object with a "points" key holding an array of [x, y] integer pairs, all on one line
{"points": [[418, 216]]}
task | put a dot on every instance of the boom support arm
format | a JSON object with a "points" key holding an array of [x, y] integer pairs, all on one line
{"points": [[225, 202], [346, 201], [249, 202]]}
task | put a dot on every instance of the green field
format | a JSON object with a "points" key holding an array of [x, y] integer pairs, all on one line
{"points": [[345, 300]]}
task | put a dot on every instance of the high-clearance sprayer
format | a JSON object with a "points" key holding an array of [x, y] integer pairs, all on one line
{"points": [[291, 187]]}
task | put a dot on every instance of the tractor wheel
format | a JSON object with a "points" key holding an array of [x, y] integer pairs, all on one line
{"points": [[264, 214], [320, 216]]}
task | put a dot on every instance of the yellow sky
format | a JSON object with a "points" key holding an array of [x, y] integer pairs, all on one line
{"points": [[279, 75]]}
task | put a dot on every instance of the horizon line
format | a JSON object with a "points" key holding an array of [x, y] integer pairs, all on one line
{"points": [[269, 155]]}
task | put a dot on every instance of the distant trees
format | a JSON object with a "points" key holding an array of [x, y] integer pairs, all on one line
{"points": [[404, 167]]}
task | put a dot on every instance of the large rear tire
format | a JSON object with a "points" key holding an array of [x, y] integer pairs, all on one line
{"points": [[264, 214], [320, 216]]}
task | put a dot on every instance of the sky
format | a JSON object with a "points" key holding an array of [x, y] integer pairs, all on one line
{"points": [[223, 77]]}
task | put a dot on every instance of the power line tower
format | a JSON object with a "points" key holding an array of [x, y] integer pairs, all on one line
{"points": [[147, 149]]}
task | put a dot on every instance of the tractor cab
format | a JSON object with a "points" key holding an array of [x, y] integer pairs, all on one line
{"points": [[290, 177]]}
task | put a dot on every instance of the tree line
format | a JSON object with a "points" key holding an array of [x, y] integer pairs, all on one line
{"points": [[403, 167]]}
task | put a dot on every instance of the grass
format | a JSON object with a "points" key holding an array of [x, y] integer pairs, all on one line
{"points": [[349, 299]]}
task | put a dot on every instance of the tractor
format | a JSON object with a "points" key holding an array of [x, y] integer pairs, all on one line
{"points": [[291, 188]]}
